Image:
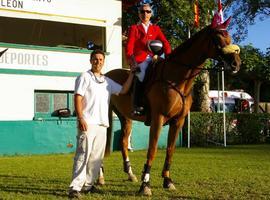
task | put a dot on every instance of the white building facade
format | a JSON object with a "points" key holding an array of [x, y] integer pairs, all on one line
{"points": [[46, 49]]}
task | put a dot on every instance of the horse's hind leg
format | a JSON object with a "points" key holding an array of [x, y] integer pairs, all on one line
{"points": [[174, 129], [126, 125]]}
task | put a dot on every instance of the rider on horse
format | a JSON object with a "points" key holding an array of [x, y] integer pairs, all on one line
{"points": [[140, 38]]}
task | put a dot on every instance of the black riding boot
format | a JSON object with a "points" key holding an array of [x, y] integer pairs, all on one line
{"points": [[137, 96]]}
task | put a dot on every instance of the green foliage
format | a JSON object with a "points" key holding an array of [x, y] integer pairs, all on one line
{"points": [[235, 172], [255, 64], [250, 127], [244, 128]]}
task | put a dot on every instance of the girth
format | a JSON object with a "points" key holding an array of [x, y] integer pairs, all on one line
{"points": [[172, 85]]}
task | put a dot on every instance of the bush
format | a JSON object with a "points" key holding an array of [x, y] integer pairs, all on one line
{"points": [[245, 128]]}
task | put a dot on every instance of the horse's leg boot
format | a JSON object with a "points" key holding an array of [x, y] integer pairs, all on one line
{"points": [[137, 97]]}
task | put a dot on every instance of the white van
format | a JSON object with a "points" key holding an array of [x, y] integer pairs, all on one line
{"points": [[235, 101]]}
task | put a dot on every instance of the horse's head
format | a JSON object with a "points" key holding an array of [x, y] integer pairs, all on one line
{"points": [[223, 50]]}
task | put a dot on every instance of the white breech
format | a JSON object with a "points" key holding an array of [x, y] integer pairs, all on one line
{"points": [[143, 66]]}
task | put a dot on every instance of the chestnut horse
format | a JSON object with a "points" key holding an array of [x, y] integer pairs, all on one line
{"points": [[169, 95]]}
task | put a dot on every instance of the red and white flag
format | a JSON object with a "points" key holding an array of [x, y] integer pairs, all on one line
{"points": [[220, 12], [218, 16]]}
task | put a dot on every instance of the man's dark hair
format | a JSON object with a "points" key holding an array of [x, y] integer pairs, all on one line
{"points": [[97, 51]]}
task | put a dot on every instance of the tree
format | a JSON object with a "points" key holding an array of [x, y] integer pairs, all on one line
{"points": [[244, 13], [255, 67]]}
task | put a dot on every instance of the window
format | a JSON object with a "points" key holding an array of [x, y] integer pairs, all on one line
{"points": [[48, 102], [49, 33]]}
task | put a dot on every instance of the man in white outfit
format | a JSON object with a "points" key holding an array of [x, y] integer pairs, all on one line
{"points": [[91, 99]]}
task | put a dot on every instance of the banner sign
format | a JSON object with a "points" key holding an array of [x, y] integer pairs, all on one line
{"points": [[44, 60]]}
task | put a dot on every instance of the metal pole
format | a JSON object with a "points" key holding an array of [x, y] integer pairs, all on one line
{"points": [[218, 103], [188, 111], [224, 116], [188, 129]]}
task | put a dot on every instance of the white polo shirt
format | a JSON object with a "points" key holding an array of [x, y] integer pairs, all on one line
{"points": [[96, 94]]}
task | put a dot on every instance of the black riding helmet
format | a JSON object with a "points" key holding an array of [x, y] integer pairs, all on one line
{"points": [[155, 46]]}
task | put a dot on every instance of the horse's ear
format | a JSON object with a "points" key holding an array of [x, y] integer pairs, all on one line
{"points": [[215, 21], [217, 24], [225, 24]]}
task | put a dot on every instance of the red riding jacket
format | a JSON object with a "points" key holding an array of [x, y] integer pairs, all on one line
{"points": [[137, 41]]}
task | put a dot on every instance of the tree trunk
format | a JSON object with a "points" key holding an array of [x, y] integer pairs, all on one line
{"points": [[201, 101], [257, 87]]}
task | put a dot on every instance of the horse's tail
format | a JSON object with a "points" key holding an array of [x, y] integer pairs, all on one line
{"points": [[109, 132]]}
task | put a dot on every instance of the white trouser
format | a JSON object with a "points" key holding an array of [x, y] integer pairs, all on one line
{"points": [[88, 157], [143, 66]]}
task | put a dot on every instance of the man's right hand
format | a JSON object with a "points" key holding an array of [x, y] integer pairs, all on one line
{"points": [[82, 125], [134, 69], [133, 65]]}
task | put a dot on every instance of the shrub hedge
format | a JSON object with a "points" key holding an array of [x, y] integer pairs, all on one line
{"points": [[244, 128]]}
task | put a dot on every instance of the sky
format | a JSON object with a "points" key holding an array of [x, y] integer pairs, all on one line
{"points": [[259, 35]]}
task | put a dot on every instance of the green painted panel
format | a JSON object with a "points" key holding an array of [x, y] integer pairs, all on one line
{"points": [[140, 136], [37, 137], [59, 136], [38, 72]]}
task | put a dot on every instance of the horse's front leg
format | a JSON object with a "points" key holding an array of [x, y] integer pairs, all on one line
{"points": [[156, 125], [126, 126], [174, 129]]}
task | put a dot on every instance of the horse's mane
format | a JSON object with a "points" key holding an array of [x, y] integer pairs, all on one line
{"points": [[188, 43]]}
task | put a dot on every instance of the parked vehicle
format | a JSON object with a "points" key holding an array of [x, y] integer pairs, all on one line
{"points": [[235, 101]]}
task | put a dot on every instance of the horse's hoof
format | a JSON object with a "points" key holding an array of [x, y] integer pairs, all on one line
{"points": [[101, 180], [168, 184], [171, 187], [145, 189], [132, 178]]}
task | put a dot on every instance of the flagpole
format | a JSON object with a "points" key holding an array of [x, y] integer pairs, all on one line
{"points": [[219, 20], [189, 110], [196, 24], [224, 115]]}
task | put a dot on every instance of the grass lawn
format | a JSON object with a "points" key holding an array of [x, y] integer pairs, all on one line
{"points": [[234, 172]]}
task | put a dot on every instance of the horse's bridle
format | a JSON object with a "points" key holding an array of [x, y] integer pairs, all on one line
{"points": [[223, 50]]}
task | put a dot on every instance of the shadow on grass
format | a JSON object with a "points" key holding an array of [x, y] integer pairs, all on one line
{"points": [[31, 185], [34, 186]]}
